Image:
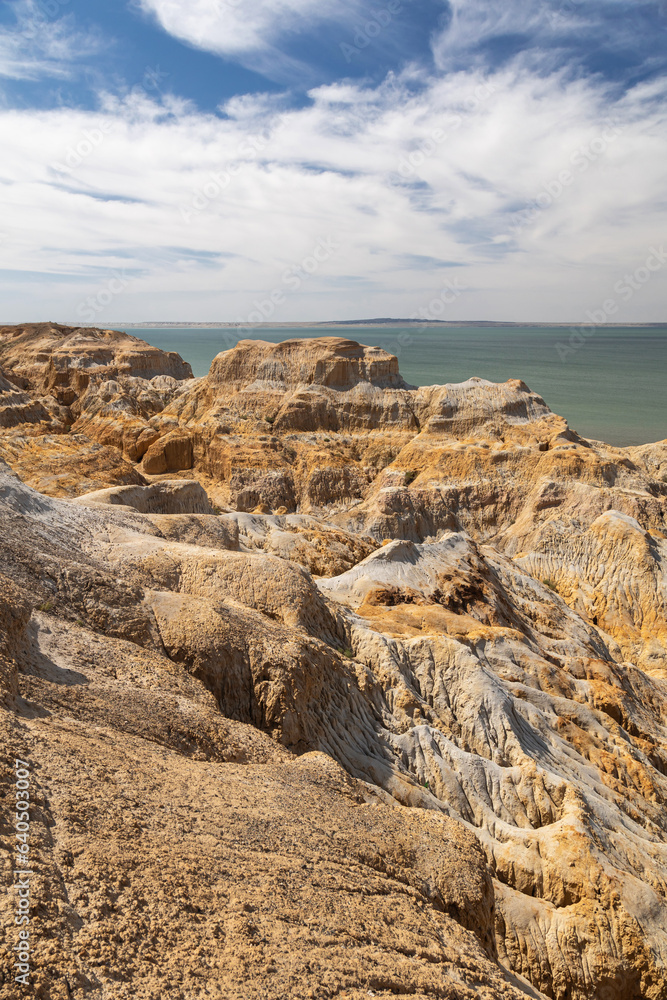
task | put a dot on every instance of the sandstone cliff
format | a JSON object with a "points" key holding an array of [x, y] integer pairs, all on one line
{"points": [[385, 667], [61, 360], [49, 374]]}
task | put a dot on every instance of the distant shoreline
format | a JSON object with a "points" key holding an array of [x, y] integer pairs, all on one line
{"points": [[374, 324]]}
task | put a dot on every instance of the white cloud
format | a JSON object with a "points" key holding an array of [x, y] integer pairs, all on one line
{"points": [[234, 26], [254, 31], [42, 43], [477, 22], [139, 196]]}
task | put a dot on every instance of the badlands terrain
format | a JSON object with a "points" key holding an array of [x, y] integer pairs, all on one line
{"points": [[331, 687]]}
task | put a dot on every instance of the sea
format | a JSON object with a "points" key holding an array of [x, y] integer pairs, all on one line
{"points": [[610, 383]]}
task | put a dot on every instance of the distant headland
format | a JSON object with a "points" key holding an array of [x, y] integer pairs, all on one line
{"points": [[381, 322]]}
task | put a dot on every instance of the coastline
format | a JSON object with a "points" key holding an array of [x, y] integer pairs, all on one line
{"points": [[611, 389], [375, 324]]}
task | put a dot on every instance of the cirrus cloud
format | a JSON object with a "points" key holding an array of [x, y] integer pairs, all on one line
{"points": [[38, 45], [290, 41], [204, 213]]}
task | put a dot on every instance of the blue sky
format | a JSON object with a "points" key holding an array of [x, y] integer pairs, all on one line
{"points": [[222, 159]]}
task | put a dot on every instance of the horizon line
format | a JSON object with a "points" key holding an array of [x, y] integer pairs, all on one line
{"points": [[381, 322]]}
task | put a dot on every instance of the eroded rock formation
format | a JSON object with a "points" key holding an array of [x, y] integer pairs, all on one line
{"points": [[62, 361], [353, 688]]}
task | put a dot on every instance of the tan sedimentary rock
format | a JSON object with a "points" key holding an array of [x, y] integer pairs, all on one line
{"points": [[553, 750], [15, 611], [100, 387], [333, 362], [322, 548], [171, 453], [182, 854], [322, 385], [444, 590], [61, 360], [67, 464], [613, 572], [117, 411], [17, 407], [466, 674], [164, 497], [301, 425]]}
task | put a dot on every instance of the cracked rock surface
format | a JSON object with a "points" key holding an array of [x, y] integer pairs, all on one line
{"points": [[366, 694]]}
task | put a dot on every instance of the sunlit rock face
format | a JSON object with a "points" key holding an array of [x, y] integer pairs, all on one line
{"points": [[62, 360], [98, 387], [392, 659]]}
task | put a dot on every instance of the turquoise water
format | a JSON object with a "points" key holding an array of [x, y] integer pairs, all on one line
{"points": [[612, 388]]}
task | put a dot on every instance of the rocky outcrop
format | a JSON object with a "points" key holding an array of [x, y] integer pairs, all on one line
{"points": [[61, 361], [15, 611], [171, 453], [118, 411], [120, 719], [67, 464], [517, 715], [99, 387], [300, 426], [613, 573], [165, 497], [439, 608], [17, 407], [440, 672], [332, 362]]}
